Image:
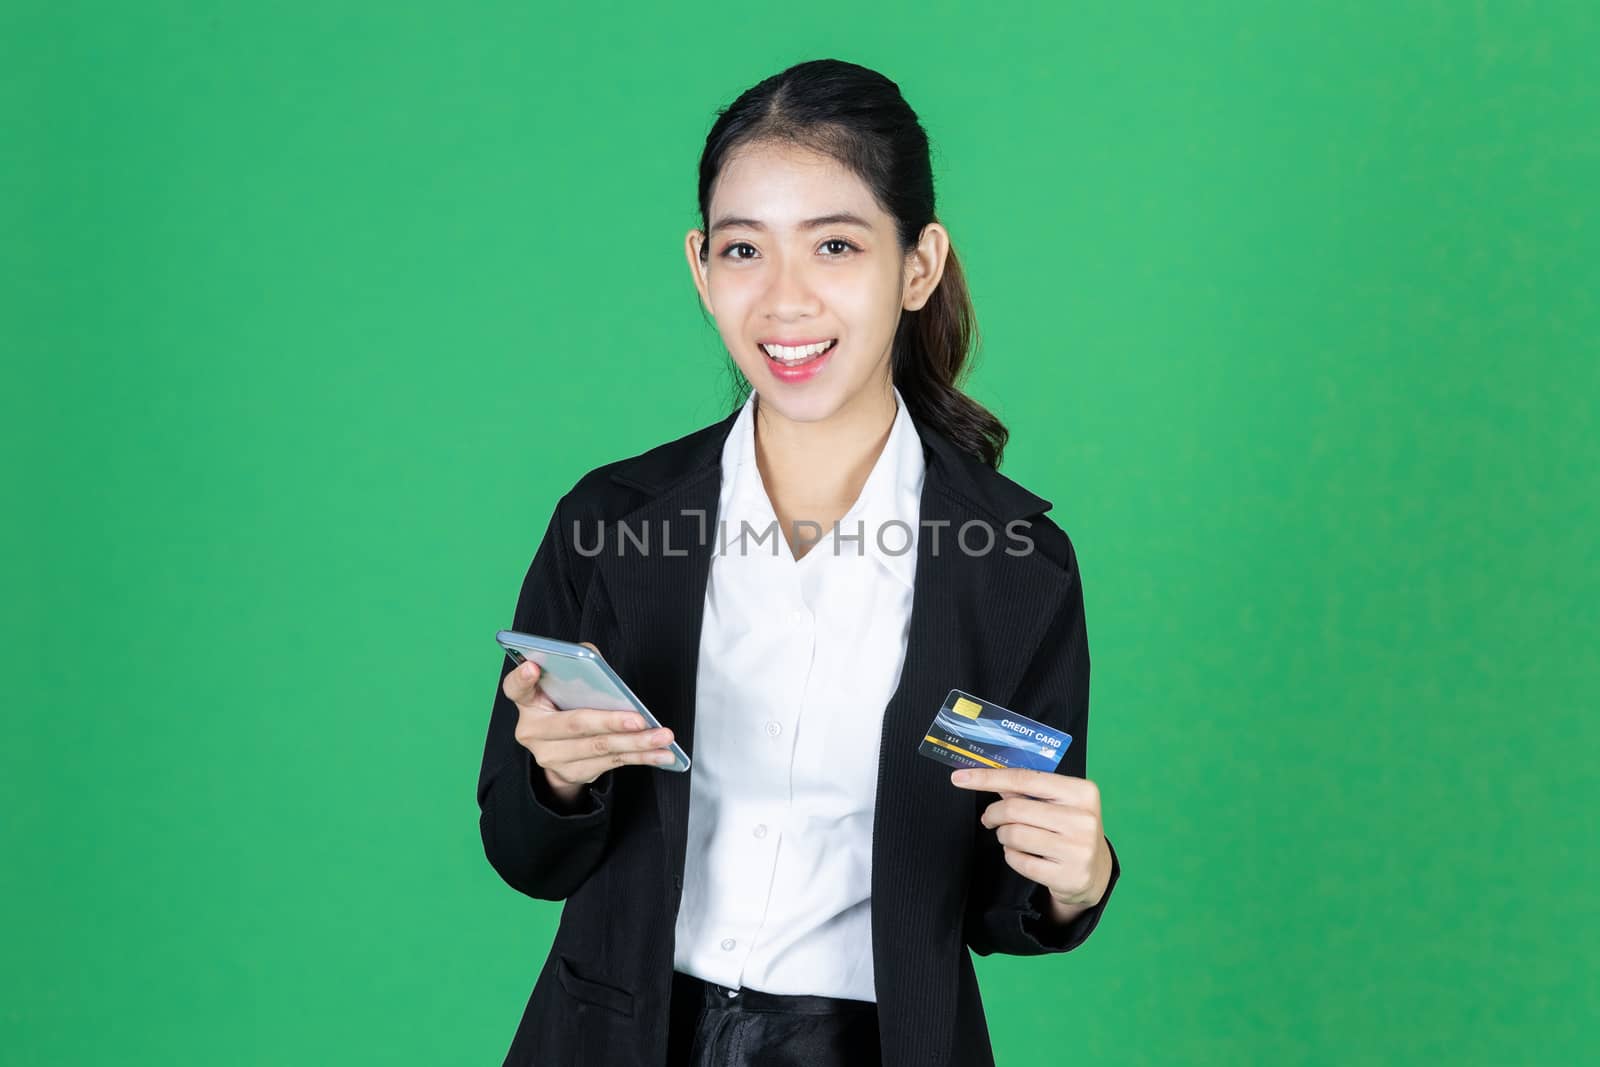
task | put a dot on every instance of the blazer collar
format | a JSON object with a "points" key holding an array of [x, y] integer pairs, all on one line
{"points": [[668, 466]]}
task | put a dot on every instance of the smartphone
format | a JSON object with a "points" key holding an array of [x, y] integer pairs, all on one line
{"points": [[576, 676]]}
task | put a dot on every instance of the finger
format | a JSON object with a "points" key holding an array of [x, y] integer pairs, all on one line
{"points": [[1041, 870], [521, 682], [591, 646], [580, 722], [1032, 839], [1013, 779], [1046, 785], [576, 749], [1046, 814], [590, 769]]}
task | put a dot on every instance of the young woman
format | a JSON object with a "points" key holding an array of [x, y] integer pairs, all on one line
{"points": [[793, 591]]}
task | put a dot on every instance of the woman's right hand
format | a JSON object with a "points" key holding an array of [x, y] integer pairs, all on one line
{"points": [[576, 746]]}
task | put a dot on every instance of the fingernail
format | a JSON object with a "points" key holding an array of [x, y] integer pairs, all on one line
{"points": [[527, 668], [961, 776], [636, 722]]}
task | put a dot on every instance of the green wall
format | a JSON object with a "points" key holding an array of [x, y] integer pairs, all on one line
{"points": [[310, 311]]}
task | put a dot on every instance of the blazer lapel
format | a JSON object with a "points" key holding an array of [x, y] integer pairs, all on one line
{"points": [[976, 621], [660, 592]]}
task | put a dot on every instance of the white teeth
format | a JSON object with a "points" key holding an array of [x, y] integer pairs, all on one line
{"points": [[792, 355]]}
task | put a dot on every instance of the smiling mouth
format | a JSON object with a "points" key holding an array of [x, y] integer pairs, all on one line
{"points": [[794, 357]]}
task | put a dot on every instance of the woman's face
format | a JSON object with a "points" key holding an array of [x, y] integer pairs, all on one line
{"points": [[799, 254]]}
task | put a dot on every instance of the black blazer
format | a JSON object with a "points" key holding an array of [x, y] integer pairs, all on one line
{"points": [[1008, 628]]}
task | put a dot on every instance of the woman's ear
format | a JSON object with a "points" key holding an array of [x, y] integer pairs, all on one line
{"points": [[693, 241], [925, 266]]}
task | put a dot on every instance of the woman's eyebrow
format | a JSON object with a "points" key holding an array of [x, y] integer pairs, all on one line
{"points": [[838, 218]]}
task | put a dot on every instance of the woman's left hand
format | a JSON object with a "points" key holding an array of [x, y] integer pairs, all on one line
{"points": [[1050, 827]]}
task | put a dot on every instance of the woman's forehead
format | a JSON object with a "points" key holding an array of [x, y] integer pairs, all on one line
{"points": [[791, 189]]}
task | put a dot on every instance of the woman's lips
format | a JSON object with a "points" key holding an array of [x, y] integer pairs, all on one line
{"points": [[801, 371]]}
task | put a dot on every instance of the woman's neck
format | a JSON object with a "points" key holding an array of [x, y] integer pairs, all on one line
{"points": [[814, 471]]}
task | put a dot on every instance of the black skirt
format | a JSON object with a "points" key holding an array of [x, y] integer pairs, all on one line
{"points": [[713, 1026]]}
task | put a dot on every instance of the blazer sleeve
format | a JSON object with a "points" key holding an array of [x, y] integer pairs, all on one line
{"points": [[535, 845], [1006, 911]]}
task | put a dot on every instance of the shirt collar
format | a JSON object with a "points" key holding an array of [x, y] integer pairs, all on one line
{"points": [[885, 515]]}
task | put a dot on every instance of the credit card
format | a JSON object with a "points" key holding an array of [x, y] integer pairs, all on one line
{"points": [[971, 732]]}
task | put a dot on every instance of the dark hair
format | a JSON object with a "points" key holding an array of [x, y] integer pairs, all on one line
{"points": [[858, 117]]}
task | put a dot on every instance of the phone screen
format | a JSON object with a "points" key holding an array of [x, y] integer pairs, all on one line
{"points": [[575, 683], [572, 681]]}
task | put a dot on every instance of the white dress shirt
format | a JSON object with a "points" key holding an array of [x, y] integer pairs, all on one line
{"points": [[798, 659]]}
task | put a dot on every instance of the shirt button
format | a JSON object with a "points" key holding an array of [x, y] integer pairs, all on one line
{"points": [[761, 830], [727, 944], [774, 727], [799, 616]]}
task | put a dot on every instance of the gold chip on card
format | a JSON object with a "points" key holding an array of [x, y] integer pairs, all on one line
{"points": [[970, 708]]}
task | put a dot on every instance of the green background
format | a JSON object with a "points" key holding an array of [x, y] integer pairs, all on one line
{"points": [[310, 311]]}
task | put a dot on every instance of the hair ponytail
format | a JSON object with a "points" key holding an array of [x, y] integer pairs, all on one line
{"points": [[930, 359]]}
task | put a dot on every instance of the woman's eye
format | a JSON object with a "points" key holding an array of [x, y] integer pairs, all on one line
{"points": [[731, 252]]}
